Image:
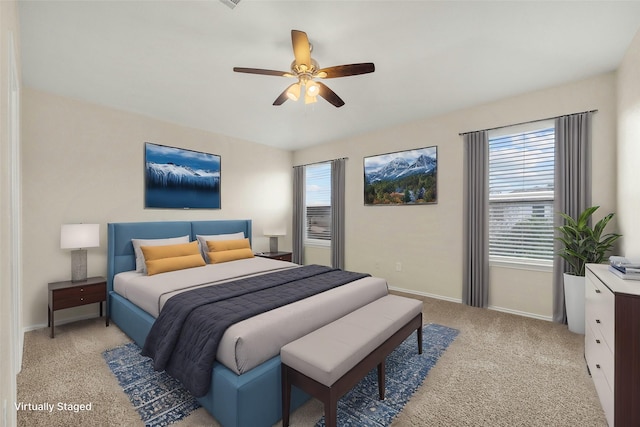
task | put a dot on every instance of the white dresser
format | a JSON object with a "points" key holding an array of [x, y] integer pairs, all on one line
{"points": [[612, 343]]}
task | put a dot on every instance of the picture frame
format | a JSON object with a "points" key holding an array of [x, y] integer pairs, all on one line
{"points": [[179, 178], [402, 178]]}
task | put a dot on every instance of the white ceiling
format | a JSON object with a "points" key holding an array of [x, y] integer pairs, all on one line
{"points": [[174, 60]]}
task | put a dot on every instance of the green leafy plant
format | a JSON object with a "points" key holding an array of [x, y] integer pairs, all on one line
{"points": [[583, 244]]}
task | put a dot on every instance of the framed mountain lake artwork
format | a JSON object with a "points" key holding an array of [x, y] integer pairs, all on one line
{"points": [[177, 178], [402, 178]]}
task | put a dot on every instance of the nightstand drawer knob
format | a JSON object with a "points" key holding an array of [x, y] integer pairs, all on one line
{"points": [[597, 366], [598, 291], [597, 341], [597, 320], [81, 299], [81, 289]]}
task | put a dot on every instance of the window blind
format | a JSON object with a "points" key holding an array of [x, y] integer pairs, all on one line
{"points": [[521, 191], [318, 201]]}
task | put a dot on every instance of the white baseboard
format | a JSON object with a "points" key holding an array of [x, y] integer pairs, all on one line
{"points": [[501, 309], [521, 313], [61, 322], [424, 294]]}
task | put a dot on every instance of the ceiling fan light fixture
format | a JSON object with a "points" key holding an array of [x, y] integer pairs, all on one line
{"points": [[306, 69], [293, 93], [312, 88]]}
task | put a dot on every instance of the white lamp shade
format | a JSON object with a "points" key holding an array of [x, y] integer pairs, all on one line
{"points": [[275, 232], [76, 236]]}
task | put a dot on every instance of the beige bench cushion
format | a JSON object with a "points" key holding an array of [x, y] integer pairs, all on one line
{"points": [[328, 353]]}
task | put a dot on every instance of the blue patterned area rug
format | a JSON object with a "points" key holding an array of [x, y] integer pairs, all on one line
{"points": [[160, 400], [405, 372]]}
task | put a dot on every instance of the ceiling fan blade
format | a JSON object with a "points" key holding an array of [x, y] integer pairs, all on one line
{"points": [[283, 96], [329, 95], [301, 48], [261, 71], [346, 70]]}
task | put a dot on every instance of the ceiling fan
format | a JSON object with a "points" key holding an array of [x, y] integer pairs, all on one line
{"points": [[306, 70]]}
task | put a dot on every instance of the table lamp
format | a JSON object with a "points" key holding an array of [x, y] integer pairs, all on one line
{"points": [[273, 235], [79, 237]]}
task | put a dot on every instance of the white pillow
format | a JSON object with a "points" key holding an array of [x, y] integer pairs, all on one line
{"points": [[202, 240], [141, 267]]}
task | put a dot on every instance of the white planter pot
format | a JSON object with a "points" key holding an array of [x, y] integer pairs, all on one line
{"points": [[574, 301]]}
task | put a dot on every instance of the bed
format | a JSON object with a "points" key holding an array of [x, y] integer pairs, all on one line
{"points": [[245, 380]]}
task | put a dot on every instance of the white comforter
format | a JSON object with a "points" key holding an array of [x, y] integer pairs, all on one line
{"points": [[251, 342]]}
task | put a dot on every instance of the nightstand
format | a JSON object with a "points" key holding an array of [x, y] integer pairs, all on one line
{"points": [[67, 294], [282, 256]]}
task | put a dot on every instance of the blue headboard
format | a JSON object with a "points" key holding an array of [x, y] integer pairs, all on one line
{"points": [[120, 256]]}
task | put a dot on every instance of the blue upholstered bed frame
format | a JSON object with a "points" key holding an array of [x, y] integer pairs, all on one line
{"points": [[252, 399]]}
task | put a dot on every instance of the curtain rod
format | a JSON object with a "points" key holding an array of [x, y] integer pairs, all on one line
{"points": [[323, 161], [527, 122]]}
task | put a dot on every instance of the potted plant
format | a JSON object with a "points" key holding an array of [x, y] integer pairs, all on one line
{"points": [[581, 245]]}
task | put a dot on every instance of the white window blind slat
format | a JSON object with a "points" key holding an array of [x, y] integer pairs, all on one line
{"points": [[521, 191], [318, 201]]}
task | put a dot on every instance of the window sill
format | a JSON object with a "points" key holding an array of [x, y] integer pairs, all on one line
{"points": [[521, 264]]}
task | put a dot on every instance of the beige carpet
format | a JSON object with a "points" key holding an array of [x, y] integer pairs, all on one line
{"points": [[502, 370]]}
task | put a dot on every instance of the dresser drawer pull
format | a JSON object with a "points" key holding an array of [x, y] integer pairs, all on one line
{"points": [[597, 366], [597, 341], [81, 299], [598, 291], [597, 320]]}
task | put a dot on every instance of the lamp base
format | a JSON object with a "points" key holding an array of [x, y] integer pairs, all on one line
{"points": [[273, 244], [79, 265]]}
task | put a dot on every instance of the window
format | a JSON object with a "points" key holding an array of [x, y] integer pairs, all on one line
{"points": [[521, 191], [318, 203]]}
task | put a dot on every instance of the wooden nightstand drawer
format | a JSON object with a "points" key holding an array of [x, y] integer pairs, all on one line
{"points": [[66, 298], [81, 291], [68, 294], [283, 257]]}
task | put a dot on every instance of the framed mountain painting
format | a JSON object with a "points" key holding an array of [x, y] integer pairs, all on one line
{"points": [[180, 179], [402, 178]]}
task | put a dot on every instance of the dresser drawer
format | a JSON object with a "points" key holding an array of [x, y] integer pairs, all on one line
{"points": [[601, 366], [600, 309], [599, 356]]}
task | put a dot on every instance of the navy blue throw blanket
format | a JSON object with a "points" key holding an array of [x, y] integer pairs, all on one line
{"points": [[184, 339]]}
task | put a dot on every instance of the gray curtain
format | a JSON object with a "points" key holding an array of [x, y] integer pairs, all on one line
{"points": [[572, 188], [475, 287], [298, 214], [337, 213]]}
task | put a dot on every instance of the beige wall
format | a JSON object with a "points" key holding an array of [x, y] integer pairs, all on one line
{"points": [[629, 150], [10, 338], [427, 240], [84, 163]]}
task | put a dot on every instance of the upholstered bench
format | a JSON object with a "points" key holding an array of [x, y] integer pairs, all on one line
{"points": [[329, 361]]}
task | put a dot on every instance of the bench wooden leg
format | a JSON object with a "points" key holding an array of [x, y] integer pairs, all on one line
{"points": [[419, 332], [286, 396], [381, 379], [331, 410]]}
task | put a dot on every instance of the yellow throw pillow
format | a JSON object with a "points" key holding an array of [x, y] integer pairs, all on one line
{"points": [[160, 259], [230, 255], [169, 251], [164, 265], [227, 245]]}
